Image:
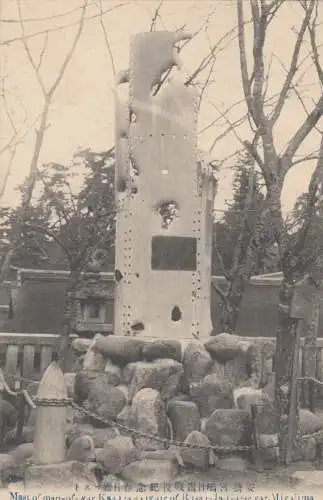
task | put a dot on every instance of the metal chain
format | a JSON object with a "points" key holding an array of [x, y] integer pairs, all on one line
{"points": [[157, 438], [313, 379]]}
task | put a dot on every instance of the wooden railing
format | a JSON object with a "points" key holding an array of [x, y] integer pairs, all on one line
{"points": [[26, 355]]}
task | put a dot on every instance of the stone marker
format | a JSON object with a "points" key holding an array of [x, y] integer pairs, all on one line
{"points": [[49, 444]]}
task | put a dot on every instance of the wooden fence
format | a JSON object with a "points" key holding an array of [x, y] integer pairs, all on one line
{"points": [[26, 354]]}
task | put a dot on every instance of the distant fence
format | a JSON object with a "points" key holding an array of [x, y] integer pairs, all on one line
{"points": [[27, 354]]}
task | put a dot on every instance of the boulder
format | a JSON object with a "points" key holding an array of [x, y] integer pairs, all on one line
{"points": [[88, 380], [266, 413], [211, 393], [81, 346], [229, 428], [309, 422], [232, 464], [81, 449], [169, 454], [63, 475], [179, 397], [200, 458], [150, 418], [116, 454], [197, 362], [99, 436], [147, 472], [120, 350], [105, 401], [244, 392], [184, 417], [22, 452], [164, 375], [224, 346], [162, 349]]}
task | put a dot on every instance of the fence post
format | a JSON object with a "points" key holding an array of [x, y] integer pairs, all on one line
{"points": [[49, 443]]}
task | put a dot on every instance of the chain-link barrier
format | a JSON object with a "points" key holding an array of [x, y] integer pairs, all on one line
{"points": [[58, 402], [311, 379]]}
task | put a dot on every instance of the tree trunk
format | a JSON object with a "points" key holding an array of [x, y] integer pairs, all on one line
{"points": [[231, 311]]}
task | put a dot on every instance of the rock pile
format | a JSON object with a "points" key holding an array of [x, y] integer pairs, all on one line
{"points": [[191, 408]]}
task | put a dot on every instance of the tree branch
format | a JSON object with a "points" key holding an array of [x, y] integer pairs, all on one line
{"points": [[293, 65]]}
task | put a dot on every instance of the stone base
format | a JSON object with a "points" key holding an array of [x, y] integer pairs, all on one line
{"points": [[62, 475]]}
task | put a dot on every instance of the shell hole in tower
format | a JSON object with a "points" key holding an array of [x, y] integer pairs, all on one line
{"points": [[138, 326], [118, 275], [121, 185], [176, 314]]}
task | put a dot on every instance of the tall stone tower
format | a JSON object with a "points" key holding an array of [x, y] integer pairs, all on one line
{"points": [[164, 194]]}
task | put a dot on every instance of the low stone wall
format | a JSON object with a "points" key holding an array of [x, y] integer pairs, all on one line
{"points": [[150, 410]]}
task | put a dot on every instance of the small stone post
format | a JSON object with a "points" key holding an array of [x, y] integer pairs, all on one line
{"points": [[49, 443]]}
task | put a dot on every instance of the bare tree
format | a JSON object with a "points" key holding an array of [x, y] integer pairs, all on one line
{"points": [[48, 94], [275, 165]]}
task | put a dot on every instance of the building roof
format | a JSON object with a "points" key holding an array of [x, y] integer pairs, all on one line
{"points": [[39, 298]]}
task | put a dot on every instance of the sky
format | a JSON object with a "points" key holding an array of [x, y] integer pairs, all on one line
{"points": [[82, 110]]}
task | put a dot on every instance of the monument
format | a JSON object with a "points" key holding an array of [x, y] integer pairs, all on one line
{"points": [[164, 195]]}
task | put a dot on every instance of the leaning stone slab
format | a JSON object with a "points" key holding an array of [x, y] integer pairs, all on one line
{"points": [[150, 418], [64, 474], [185, 418]]}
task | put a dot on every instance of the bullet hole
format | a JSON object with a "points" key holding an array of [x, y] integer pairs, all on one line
{"points": [[176, 313], [121, 185], [134, 169], [137, 275], [133, 117], [138, 326], [118, 275], [134, 190]]}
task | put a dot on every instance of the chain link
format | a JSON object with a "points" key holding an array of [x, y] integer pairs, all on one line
{"points": [[172, 442], [313, 379], [57, 402]]}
